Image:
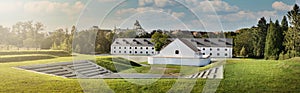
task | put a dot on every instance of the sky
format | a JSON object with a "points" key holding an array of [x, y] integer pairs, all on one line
{"points": [[195, 15]]}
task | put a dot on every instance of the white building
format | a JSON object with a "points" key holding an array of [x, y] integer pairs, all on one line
{"points": [[132, 46], [213, 47], [180, 52]]}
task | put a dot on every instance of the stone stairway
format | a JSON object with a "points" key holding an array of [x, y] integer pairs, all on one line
{"points": [[78, 69], [216, 72]]}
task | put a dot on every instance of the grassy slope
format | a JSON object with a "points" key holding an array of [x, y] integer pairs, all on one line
{"points": [[240, 76], [261, 76], [15, 80]]}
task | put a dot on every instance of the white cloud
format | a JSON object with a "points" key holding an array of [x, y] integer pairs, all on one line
{"points": [[161, 3], [53, 7], [178, 14], [144, 2], [278, 5], [10, 6], [107, 1], [136, 10], [211, 6], [246, 15]]}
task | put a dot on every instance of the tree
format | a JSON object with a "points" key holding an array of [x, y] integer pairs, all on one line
{"points": [[160, 40], [244, 38], [272, 48], [260, 37], [243, 52], [292, 36]]}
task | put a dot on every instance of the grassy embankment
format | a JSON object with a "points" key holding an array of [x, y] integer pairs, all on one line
{"points": [[244, 75]]}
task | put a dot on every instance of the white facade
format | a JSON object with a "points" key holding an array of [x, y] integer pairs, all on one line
{"points": [[132, 50], [214, 47], [179, 52], [217, 52], [182, 50]]}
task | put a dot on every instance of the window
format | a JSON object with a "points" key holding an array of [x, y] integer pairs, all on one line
{"points": [[141, 52], [203, 53], [226, 54], [218, 54], [130, 52], [114, 51], [141, 47], [135, 51], [114, 47], [146, 47], [135, 47], [225, 49], [210, 54], [124, 51], [152, 52], [119, 47], [152, 48], [203, 49], [210, 49], [124, 47], [218, 49], [146, 52], [176, 51], [129, 47], [119, 51]]}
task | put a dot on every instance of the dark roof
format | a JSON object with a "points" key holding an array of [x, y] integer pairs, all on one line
{"points": [[133, 42], [199, 42], [189, 44]]}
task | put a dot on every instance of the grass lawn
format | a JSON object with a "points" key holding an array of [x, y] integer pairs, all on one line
{"points": [[244, 75]]}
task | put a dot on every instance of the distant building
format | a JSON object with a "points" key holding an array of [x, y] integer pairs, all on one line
{"points": [[213, 47], [136, 27], [132, 46]]}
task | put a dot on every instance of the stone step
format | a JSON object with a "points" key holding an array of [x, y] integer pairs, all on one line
{"points": [[212, 73], [90, 71], [86, 69], [96, 73], [83, 66], [70, 75], [63, 73], [196, 75], [47, 68], [55, 71]]}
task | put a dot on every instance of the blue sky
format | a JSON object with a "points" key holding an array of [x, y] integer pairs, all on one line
{"points": [[204, 15]]}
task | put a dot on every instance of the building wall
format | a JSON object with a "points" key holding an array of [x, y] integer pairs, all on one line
{"points": [[178, 61], [133, 50], [217, 52], [184, 51]]}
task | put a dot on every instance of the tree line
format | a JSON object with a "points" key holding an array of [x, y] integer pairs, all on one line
{"points": [[271, 40]]}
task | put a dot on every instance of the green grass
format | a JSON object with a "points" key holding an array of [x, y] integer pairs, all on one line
{"points": [[176, 70], [116, 64], [244, 75], [258, 76], [59, 53]]}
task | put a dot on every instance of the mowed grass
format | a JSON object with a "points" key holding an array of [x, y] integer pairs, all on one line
{"points": [[244, 75], [257, 76]]}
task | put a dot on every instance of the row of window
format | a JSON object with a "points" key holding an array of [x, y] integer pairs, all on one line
{"points": [[141, 52], [136, 48], [218, 49], [218, 54]]}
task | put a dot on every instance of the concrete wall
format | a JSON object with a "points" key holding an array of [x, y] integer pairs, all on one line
{"points": [[178, 61]]}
